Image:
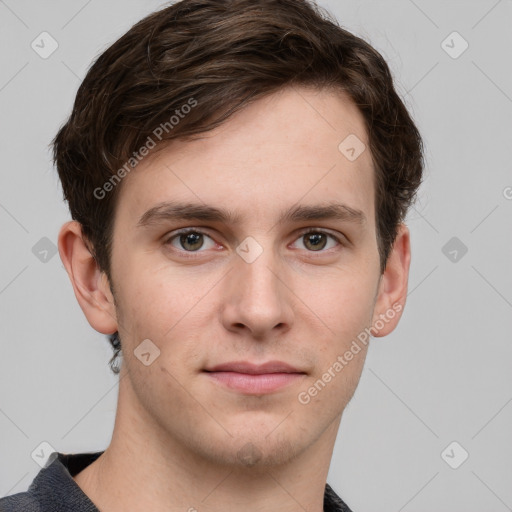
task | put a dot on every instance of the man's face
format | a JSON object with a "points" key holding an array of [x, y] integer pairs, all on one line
{"points": [[253, 290]]}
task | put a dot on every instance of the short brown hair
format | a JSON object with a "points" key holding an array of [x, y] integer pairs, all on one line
{"points": [[224, 54]]}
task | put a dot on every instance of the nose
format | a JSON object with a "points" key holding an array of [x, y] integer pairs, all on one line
{"points": [[257, 296]]}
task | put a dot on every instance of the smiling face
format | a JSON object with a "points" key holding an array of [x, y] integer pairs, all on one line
{"points": [[281, 264]]}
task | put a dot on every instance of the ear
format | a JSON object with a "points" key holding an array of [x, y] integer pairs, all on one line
{"points": [[91, 286], [392, 290]]}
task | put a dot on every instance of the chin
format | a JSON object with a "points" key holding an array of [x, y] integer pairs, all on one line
{"points": [[254, 451]]}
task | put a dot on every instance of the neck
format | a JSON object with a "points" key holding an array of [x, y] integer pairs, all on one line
{"points": [[145, 468]]}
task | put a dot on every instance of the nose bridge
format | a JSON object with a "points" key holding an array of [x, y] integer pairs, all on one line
{"points": [[259, 275], [256, 268], [257, 296]]}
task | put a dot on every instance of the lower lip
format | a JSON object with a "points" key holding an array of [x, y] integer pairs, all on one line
{"points": [[255, 384]]}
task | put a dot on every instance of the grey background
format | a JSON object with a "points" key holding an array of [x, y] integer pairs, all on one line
{"points": [[443, 375]]}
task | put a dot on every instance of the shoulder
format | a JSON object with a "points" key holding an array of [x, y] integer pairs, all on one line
{"points": [[53, 489], [21, 502], [332, 502]]}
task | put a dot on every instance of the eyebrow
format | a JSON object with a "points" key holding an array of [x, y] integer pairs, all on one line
{"points": [[173, 210]]}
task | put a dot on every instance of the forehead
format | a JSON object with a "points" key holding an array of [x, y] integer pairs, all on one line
{"points": [[294, 146]]}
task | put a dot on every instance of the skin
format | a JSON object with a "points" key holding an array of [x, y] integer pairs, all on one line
{"points": [[180, 439]]}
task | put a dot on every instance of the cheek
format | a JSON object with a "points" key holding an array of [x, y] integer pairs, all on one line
{"points": [[170, 310], [155, 300], [343, 306]]}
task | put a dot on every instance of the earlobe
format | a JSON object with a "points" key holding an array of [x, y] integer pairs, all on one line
{"points": [[392, 291], [91, 287]]}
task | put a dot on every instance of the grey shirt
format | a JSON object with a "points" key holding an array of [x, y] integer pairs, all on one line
{"points": [[54, 490]]}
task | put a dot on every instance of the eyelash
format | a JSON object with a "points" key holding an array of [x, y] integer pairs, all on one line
{"points": [[190, 254]]}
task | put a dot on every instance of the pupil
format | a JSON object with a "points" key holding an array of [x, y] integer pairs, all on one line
{"points": [[191, 239], [315, 239]]}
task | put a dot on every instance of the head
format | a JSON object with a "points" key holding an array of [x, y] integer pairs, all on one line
{"points": [[242, 106]]}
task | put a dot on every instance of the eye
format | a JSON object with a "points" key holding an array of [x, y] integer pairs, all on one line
{"points": [[316, 240], [192, 240], [189, 240]]}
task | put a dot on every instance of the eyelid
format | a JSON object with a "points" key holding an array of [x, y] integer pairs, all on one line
{"points": [[169, 237], [341, 239]]}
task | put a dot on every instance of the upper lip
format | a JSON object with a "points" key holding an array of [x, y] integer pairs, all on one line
{"points": [[254, 369]]}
